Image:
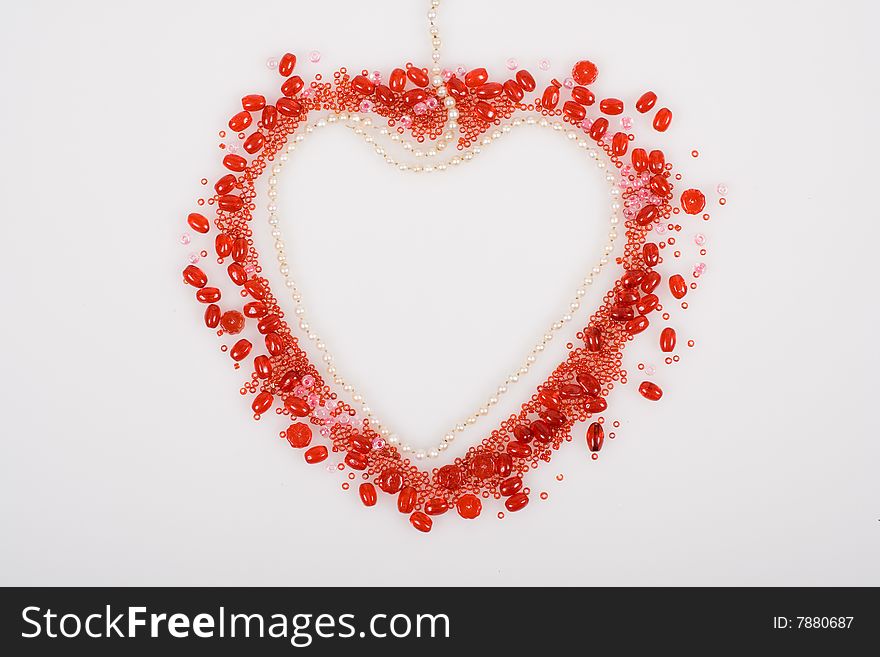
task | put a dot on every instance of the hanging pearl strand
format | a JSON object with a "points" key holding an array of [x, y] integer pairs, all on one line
{"points": [[363, 125]]}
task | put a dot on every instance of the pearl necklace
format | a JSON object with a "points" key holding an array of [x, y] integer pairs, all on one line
{"points": [[360, 125]]}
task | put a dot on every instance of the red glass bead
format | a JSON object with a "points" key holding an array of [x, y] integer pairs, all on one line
{"points": [[583, 95], [621, 313], [650, 282], [297, 407], [662, 120], [254, 309], [269, 117], [255, 288], [212, 316], [646, 101], [223, 245], [522, 433], [541, 431], [693, 201], [651, 254], [525, 80], [656, 161], [208, 295], [489, 90], [469, 506], [667, 340], [361, 444], [292, 86], [253, 102], [315, 454], [418, 76], [397, 80], [269, 324], [612, 106], [288, 107], [595, 437], [650, 391], [510, 486], [262, 402], [198, 222], [619, 144], [406, 500], [516, 502], [287, 64], [356, 461], [571, 391], [519, 450], [240, 349], [457, 89], [593, 339], [647, 304], [589, 383], [513, 91], [599, 128], [240, 249], [263, 367], [384, 94], [677, 286], [232, 322], [449, 477], [574, 111], [195, 276], [436, 506], [549, 398], [240, 121], [289, 381], [585, 72], [595, 404], [483, 466], [415, 96], [274, 344], [632, 277], [485, 111], [368, 493], [640, 159], [254, 143], [636, 325], [421, 521], [390, 481], [230, 203], [362, 85], [503, 464], [550, 99], [647, 215], [237, 274], [659, 185], [235, 162], [299, 435], [553, 418], [627, 297], [476, 77]]}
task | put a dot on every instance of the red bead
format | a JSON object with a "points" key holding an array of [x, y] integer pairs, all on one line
{"points": [[631, 278], [513, 91], [195, 276], [667, 340], [656, 161], [599, 128], [390, 481], [240, 350], [269, 118], [263, 367], [489, 90], [235, 162], [415, 96], [646, 101], [519, 450], [476, 77], [287, 64], [288, 107], [384, 94], [356, 461], [650, 391], [316, 454], [208, 295], [647, 215], [583, 95], [541, 431], [612, 106], [421, 521], [299, 435], [262, 403], [198, 222], [585, 72], [651, 254], [525, 80], [274, 345], [292, 86], [457, 89], [503, 464], [449, 477], [230, 203], [693, 201], [619, 144], [662, 120], [240, 249], [368, 493], [232, 322], [595, 437], [436, 506], [677, 286], [253, 102], [571, 391], [550, 99], [485, 111], [362, 85], [593, 339], [516, 502], [627, 297], [595, 404], [621, 313], [290, 380], [647, 303], [659, 185], [640, 159], [361, 444], [553, 418], [223, 245], [254, 143], [418, 76], [510, 486], [254, 309], [269, 324], [549, 398], [636, 325], [255, 288], [212, 316], [406, 500], [397, 80], [589, 383], [522, 433], [469, 506], [483, 466], [650, 282], [297, 407], [237, 274], [240, 121], [574, 111]]}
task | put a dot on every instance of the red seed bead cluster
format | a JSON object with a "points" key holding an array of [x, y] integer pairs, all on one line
{"points": [[283, 377]]}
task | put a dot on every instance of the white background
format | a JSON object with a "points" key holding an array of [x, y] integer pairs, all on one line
{"points": [[128, 456]]}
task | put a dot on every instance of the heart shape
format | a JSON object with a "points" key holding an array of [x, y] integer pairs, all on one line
{"points": [[284, 377]]}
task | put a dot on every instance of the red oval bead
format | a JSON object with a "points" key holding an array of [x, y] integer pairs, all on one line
{"points": [[235, 162], [518, 450], [656, 161], [232, 322], [240, 349], [263, 367], [299, 435], [550, 99], [292, 86], [667, 340], [315, 454], [647, 303], [362, 85], [651, 254], [198, 222], [269, 324], [621, 313], [646, 101], [255, 288], [253, 102], [541, 431], [415, 96], [627, 297], [678, 286], [662, 120], [390, 481], [418, 76], [208, 295], [240, 121], [612, 106], [522, 433], [571, 391], [286, 64], [595, 404], [269, 117], [406, 500], [632, 277], [583, 95], [254, 309], [195, 276], [290, 380], [223, 245], [650, 391], [647, 215], [240, 249], [599, 128], [298, 407], [585, 72], [640, 159], [254, 143], [595, 437], [589, 383], [384, 94], [483, 466], [361, 444], [397, 80], [619, 144], [274, 345], [574, 111], [510, 486], [356, 461], [421, 521], [525, 80], [368, 493], [469, 506], [489, 90], [457, 89], [550, 398], [593, 339], [554, 418], [485, 111], [476, 77], [212, 316], [237, 274], [436, 506], [513, 91], [636, 325], [503, 464], [516, 502], [693, 201], [262, 403], [230, 203], [650, 282], [288, 107]]}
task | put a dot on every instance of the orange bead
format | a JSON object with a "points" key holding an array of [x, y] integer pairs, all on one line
{"points": [[263, 367], [519, 450], [230, 203], [667, 340], [651, 254], [574, 111], [368, 493], [421, 521], [457, 89], [469, 506], [583, 96], [593, 339], [485, 111], [631, 278], [693, 201], [619, 144], [212, 316], [269, 117], [489, 91], [647, 215], [640, 159], [646, 101], [678, 286], [662, 120], [659, 185], [240, 249], [240, 121], [390, 481], [589, 383], [503, 464], [599, 128], [636, 325], [362, 85], [356, 461], [198, 222], [315, 454], [288, 107], [275, 344], [513, 91], [417, 76], [255, 288], [297, 407], [612, 106], [237, 274], [436, 506], [510, 486], [223, 245], [656, 161], [650, 282], [253, 102], [240, 349], [595, 404], [254, 143], [647, 304], [235, 162], [482, 466], [415, 96], [384, 94]]}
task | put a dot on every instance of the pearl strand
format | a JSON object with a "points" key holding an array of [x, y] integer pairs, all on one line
{"points": [[327, 358]]}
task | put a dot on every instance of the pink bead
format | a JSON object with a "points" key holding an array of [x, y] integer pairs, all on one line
{"points": [[378, 443], [586, 124], [314, 56], [432, 103], [300, 391], [406, 121], [511, 64], [626, 122], [376, 77], [308, 380], [194, 258], [460, 71], [185, 239], [366, 105], [544, 64], [722, 189], [699, 239], [272, 63], [420, 108], [649, 370], [568, 83], [447, 74]]}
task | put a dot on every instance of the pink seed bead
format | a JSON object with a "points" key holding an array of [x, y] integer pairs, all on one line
{"points": [[314, 56], [722, 189], [272, 63], [544, 64], [626, 122], [432, 103], [568, 83], [420, 108], [366, 105], [185, 239], [699, 239], [511, 64], [194, 258]]}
